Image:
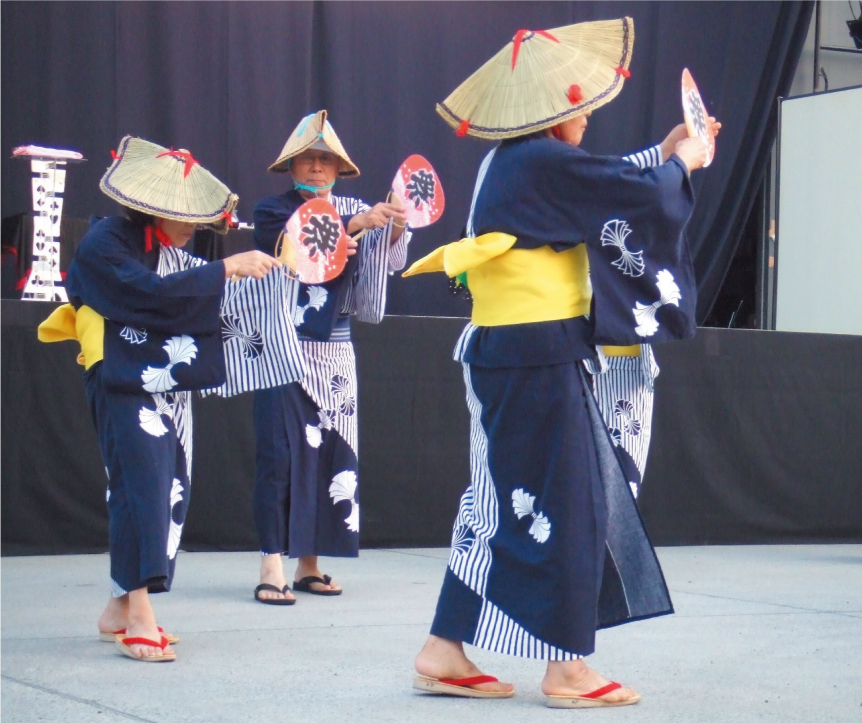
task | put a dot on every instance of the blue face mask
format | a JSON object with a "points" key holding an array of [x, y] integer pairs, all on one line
{"points": [[314, 189]]}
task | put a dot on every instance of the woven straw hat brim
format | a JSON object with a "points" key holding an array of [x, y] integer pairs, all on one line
{"points": [[310, 130], [499, 101], [142, 180]]}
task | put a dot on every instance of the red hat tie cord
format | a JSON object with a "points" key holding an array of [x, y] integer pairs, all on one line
{"points": [[523, 35], [185, 155], [163, 238]]}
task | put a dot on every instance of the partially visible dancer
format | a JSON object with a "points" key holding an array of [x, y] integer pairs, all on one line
{"points": [[147, 316], [624, 376], [306, 496], [565, 252]]}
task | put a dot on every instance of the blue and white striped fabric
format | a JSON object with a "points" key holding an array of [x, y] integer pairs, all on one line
{"points": [[331, 385], [471, 557], [259, 341], [479, 510], [378, 258], [624, 396], [646, 159], [260, 345]]}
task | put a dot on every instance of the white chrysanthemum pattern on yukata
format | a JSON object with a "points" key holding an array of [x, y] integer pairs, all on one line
{"points": [[645, 314], [343, 393], [251, 343], [343, 488], [316, 299], [462, 539], [133, 335], [151, 419], [614, 233], [176, 530], [522, 503], [624, 413], [314, 433], [180, 350]]}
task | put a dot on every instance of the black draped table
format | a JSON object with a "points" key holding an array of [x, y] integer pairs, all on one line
{"points": [[756, 439]]}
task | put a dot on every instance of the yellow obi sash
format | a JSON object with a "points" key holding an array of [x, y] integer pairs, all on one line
{"points": [[84, 326], [514, 286]]}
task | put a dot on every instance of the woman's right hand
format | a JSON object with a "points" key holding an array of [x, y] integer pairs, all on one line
{"points": [[693, 152], [250, 263]]}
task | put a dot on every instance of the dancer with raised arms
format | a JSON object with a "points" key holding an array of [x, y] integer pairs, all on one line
{"points": [[566, 252]]}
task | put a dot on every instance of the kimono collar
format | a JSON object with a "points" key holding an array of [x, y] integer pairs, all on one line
{"points": [[163, 238]]}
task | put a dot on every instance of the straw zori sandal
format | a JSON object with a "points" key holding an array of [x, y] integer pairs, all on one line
{"points": [[124, 644], [590, 700], [460, 686]]}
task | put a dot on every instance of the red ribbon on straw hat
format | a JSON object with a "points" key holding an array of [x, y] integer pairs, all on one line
{"points": [[185, 155], [522, 35]]}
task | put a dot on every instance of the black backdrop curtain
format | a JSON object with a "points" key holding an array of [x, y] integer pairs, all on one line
{"points": [[230, 81]]}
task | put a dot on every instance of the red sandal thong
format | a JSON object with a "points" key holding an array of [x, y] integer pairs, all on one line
{"points": [[591, 700], [460, 686], [112, 637], [124, 644]]}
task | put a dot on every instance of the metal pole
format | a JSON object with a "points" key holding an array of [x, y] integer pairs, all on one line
{"points": [[817, 46]]}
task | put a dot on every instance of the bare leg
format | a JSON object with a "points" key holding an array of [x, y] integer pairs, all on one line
{"points": [[575, 677], [115, 616], [307, 566], [272, 572], [142, 624], [445, 659]]}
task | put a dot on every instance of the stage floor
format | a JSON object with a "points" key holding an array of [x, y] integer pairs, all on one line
{"points": [[761, 634]]}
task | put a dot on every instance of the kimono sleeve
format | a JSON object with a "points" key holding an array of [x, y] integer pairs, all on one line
{"points": [[269, 218], [633, 222], [107, 278]]}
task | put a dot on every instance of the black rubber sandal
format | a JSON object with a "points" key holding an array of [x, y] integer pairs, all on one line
{"points": [[273, 601], [304, 585]]}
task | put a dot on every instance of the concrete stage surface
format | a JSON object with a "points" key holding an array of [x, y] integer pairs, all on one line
{"points": [[760, 634]]}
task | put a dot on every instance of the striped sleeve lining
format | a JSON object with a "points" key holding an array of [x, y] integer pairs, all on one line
{"points": [[646, 159]]}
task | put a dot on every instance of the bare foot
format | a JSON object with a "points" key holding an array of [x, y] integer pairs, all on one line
{"points": [[272, 573], [142, 624], [115, 616], [445, 659], [307, 567], [575, 677]]}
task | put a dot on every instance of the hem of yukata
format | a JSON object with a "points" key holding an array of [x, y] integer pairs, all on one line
{"points": [[297, 555], [154, 585], [478, 638], [634, 618]]}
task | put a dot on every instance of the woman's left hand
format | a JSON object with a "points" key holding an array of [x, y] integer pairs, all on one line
{"points": [[680, 133], [376, 217]]}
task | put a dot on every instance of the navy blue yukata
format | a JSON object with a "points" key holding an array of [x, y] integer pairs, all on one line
{"points": [[548, 545], [306, 496], [172, 326], [162, 339]]}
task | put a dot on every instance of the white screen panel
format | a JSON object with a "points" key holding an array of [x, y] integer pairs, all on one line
{"points": [[819, 280]]}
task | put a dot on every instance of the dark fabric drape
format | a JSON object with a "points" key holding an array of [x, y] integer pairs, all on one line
{"points": [[755, 441], [230, 81]]}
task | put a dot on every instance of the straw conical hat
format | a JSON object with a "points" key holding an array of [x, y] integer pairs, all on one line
{"points": [[542, 78], [314, 131], [167, 183]]}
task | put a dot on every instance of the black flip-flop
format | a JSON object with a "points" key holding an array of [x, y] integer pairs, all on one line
{"points": [[304, 585], [273, 601]]}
